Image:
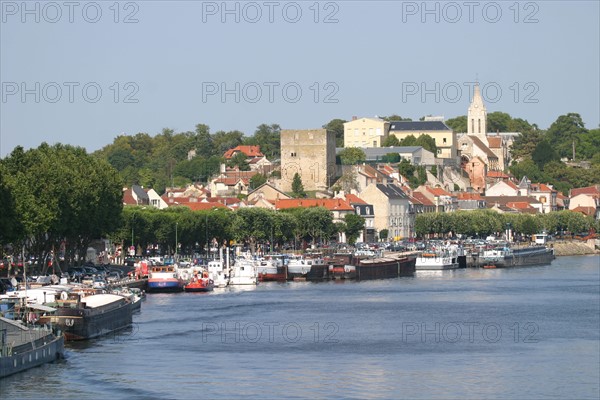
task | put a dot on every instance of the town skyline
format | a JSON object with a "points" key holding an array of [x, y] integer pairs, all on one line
{"points": [[83, 83]]}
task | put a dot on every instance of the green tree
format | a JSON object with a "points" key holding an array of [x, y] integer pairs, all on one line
{"points": [[428, 143], [543, 154], [257, 180], [315, 223], [253, 225], [223, 141], [297, 186], [391, 141], [524, 144], [352, 156], [395, 117], [383, 234], [391, 158], [458, 124], [566, 132], [354, 224], [239, 160], [268, 137], [337, 126]]}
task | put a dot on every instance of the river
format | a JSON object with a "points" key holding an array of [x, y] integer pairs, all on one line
{"points": [[517, 333]]}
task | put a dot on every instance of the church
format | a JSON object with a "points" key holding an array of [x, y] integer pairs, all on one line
{"points": [[481, 152]]}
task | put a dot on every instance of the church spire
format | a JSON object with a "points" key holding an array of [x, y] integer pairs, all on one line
{"points": [[477, 115]]}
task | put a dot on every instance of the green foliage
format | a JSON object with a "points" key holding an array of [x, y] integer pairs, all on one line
{"points": [[337, 126], [391, 141], [407, 170], [297, 186], [354, 224], [352, 156], [315, 223], [239, 160], [60, 193], [458, 124], [162, 160], [524, 144], [543, 154], [434, 171], [268, 137], [391, 158], [395, 117], [565, 131], [257, 180], [383, 234]]}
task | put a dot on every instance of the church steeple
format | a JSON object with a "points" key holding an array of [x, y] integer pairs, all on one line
{"points": [[477, 115]]}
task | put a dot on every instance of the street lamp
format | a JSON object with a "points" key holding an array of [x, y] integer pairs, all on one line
{"points": [[176, 241]]}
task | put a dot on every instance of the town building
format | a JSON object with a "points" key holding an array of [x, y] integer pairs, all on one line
{"points": [[391, 208], [445, 138], [311, 154], [365, 132]]}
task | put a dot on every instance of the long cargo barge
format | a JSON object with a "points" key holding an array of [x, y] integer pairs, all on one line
{"points": [[503, 257]]}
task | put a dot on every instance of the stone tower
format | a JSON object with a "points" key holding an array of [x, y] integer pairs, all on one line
{"points": [[477, 116], [310, 153]]}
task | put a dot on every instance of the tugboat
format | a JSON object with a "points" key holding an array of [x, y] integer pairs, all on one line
{"points": [[164, 278], [200, 283]]}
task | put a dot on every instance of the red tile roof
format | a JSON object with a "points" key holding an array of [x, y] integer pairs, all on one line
{"points": [[354, 199], [249, 151], [330, 204], [196, 206], [128, 197], [494, 142], [469, 196], [589, 190], [541, 187], [497, 174], [589, 211], [437, 191], [423, 199]]}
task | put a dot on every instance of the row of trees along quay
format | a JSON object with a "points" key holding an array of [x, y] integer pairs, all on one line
{"points": [[197, 231]]}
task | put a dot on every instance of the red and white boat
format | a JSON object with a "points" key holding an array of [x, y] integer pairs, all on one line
{"points": [[200, 283]]}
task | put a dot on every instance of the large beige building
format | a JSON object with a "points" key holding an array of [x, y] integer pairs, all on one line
{"points": [[311, 154], [445, 138], [365, 132], [392, 209]]}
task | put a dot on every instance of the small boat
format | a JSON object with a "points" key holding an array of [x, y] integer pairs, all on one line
{"points": [[200, 283], [216, 272], [243, 272], [436, 260], [164, 278], [271, 270]]}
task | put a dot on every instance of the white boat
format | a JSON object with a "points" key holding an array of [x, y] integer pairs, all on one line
{"points": [[243, 272], [436, 260], [300, 266], [217, 273]]}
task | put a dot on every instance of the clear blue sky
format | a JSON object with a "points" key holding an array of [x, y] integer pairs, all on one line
{"points": [[373, 58]]}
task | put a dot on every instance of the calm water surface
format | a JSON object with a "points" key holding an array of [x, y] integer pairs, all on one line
{"points": [[517, 333]]}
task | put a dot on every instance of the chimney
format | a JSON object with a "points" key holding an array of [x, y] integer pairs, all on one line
{"points": [[354, 118]]}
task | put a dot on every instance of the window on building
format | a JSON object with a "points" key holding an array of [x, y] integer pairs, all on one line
{"points": [[374, 143], [473, 125], [355, 131], [370, 131], [444, 140], [378, 131], [479, 126]]}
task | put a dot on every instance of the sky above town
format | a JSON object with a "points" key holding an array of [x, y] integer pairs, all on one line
{"points": [[82, 73]]}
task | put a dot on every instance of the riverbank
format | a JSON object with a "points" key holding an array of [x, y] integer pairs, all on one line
{"points": [[573, 248]]}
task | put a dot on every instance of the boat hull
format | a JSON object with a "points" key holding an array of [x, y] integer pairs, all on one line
{"points": [[199, 287], [80, 323], [164, 285], [385, 269], [522, 258], [46, 350]]}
